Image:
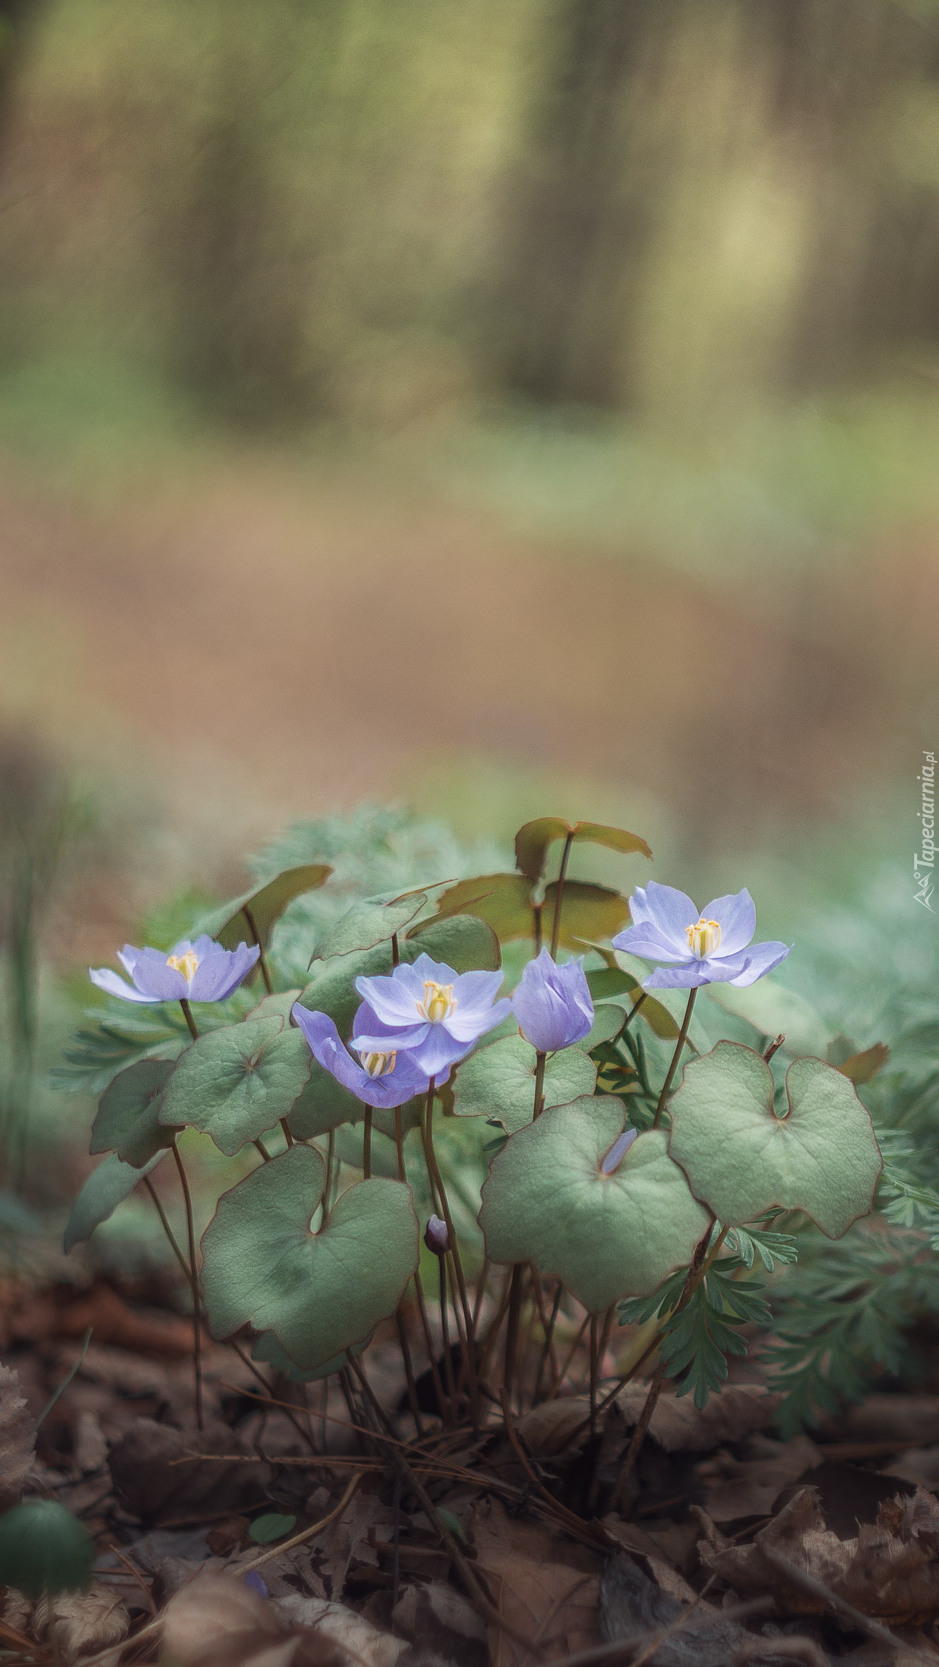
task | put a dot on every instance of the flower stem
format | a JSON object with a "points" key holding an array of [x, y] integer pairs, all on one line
{"points": [[288, 1137], [194, 1285], [559, 895], [262, 959], [263, 1150], [445, 1331], [594, 1366], [547, 1352], [511, 1330], [367, 1145], [395, 951], [675, 1058], [187, 1015], [538, 1107], [436, 1181], [701, 1262]]}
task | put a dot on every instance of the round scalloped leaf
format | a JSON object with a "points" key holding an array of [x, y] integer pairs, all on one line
{"points": [[44, 1550], [461, 941], [106, 1187], [606, 1236], [229, 925], [128, 1116], [319, 1293], [741, 1159], [534, 840], [324, 1104], [498, 1081], [237, 1082], [373, 921], [268, 1349]]}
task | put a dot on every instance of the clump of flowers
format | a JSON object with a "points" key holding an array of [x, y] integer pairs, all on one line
{"points": [[620, 1157]]}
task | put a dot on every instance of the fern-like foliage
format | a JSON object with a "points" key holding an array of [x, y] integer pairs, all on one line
{"points": [[698, 1338], [844, 1320]]}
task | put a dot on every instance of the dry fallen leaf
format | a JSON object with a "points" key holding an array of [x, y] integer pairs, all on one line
{"points": [[555, 1426], [890, 1570], [546, 1588], [218, 1621], [17, 1438], [632, 1606], [156, 1479], [353, 1640], [750, 1487], [681, 1427], [440, 1623], [78, 1623]]}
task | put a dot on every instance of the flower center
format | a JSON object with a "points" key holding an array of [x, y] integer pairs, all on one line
{"points": [[186, 964], [378, 1064], [438, 1002], [703, 938]]}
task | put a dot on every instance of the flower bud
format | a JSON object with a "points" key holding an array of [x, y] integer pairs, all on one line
{"points": [[436, 1236], [552, 1004]]}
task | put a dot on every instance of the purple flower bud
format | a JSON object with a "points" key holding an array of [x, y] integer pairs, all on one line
{"points": [[436, 1236], [552, 1004], [618, 1151]]}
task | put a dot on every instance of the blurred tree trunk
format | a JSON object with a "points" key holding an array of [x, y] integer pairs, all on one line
{"points": [[18, 21], [577, 217]]}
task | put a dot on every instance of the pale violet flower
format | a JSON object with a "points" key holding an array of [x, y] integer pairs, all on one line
{"points": [[552, 1003], [431, 1012], [713, 947], [380, 1078], [200, 971]]}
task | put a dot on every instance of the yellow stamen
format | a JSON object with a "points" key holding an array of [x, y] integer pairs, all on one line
{"points": [[703, 938], [378, 1064], [186, 964], [438, 1002]]}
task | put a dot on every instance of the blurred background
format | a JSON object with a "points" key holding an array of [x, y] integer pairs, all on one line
{"points": [[494, 409]]}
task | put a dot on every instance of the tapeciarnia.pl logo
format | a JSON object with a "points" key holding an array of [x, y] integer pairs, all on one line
{"points": [[925, 862]]}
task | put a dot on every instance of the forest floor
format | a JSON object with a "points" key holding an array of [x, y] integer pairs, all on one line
{"points": [[522, 1540]]}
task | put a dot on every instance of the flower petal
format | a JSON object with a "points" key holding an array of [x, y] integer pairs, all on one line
{"points": [[467, 1025], [114, 985], [667, 910], [395, 998], [438, 1052], [736, 917], [153, 977], [391, 1089], [220, 971], [644, 940], [689, 977], [761, 958]]}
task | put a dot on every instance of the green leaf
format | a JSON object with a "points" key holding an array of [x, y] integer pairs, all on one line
{"points": [[614, 980], [498, 1081], [106, 1187], [271, 1526], [462, 941], [237, 1082], [606, 1236], [280, 1006], [44, 1550], [128, 1116], [319, 1293], [533, 841], [324, 1104], [741, 1159], [268, 1349], [373, 921], [229, 924]]}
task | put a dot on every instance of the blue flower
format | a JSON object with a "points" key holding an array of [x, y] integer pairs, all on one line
{"points": [[710, 948], [552, 1003], [200, 971], [431, 1012], [384, 1077]]}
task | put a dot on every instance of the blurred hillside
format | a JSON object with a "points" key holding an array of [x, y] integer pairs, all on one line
{"points": [[473, 403]]}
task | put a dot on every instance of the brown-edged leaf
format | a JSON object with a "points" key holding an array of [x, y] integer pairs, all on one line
{"points": [[861, 1067], [534, 840]]}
